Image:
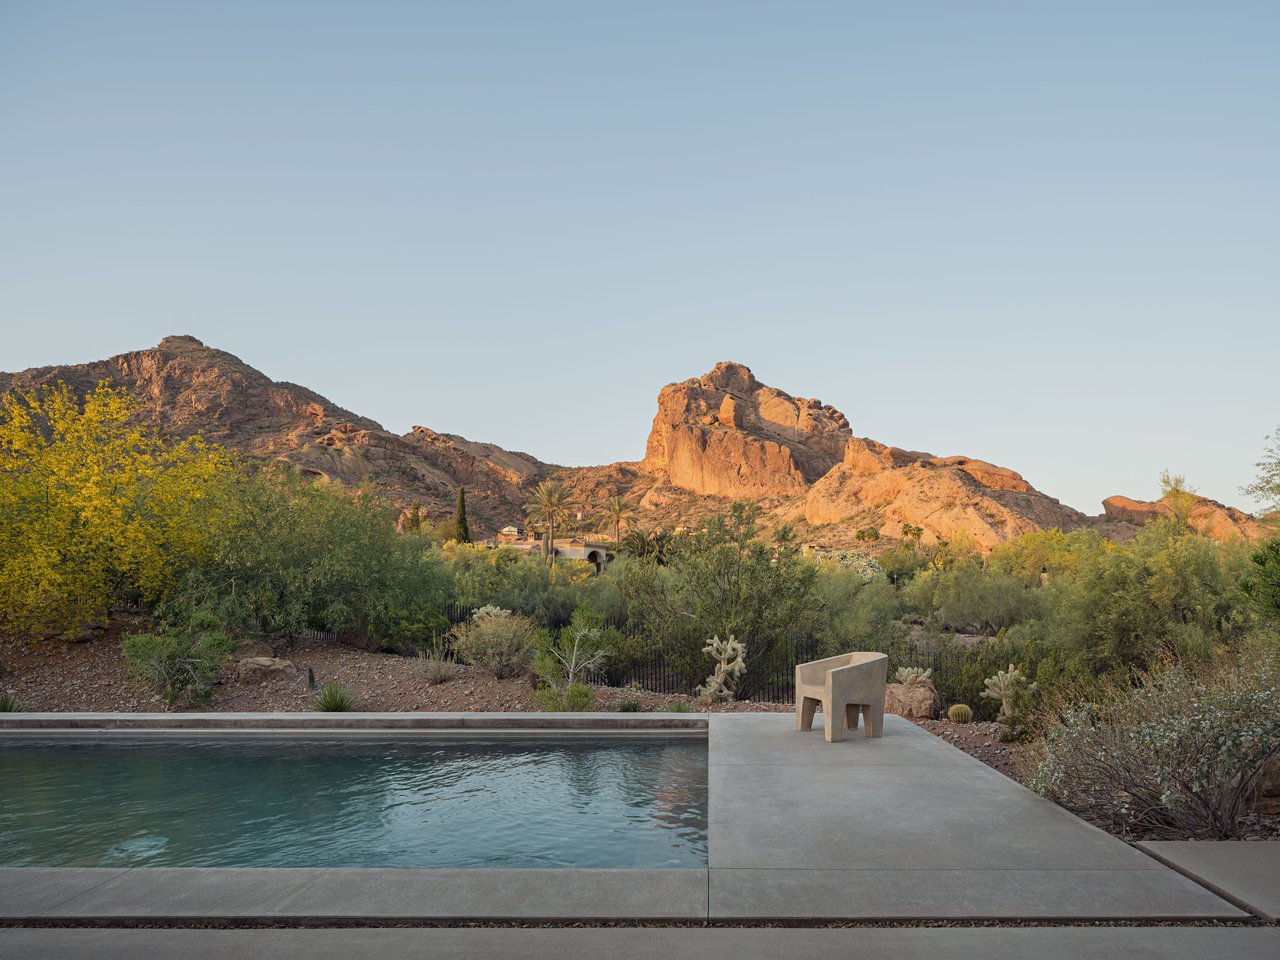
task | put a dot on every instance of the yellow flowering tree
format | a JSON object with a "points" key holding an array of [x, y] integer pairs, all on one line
{"points": [[98, 507]]}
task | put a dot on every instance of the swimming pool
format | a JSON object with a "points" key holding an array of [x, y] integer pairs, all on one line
{"points": [[355, 801]]}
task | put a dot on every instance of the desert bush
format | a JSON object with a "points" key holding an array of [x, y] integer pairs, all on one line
{"points": [[678, 707], [1176, 757], [293, 554], [435, 665], [573, 654], [496, 640], [182, 660], [855, 613], [9, 703], [630, 706], [726, 581], [334, 698], [576, 697]]}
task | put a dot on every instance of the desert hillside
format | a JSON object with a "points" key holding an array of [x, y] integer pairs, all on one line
{"points": [[720, 437]]}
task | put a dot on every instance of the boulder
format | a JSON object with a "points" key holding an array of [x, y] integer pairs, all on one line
{"points": [[262, 669], [1266, 798], [917, 699], [254, 648]]}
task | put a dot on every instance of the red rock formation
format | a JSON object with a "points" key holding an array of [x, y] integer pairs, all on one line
{"points": [[1209, 517], [726, 434], [885, 487]]}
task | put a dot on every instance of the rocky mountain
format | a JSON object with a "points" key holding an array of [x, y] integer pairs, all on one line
{"points": [[188, 388], [716, 438]]}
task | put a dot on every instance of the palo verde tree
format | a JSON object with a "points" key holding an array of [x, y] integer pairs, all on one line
{"points": [[99, 509]]}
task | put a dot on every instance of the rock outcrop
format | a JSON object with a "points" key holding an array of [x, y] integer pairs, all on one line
{"points": [[884, 487], [1209, 517], [726, 434]]}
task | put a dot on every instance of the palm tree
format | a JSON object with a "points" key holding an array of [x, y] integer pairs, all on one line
{"points": [[618, 510], [549, 505]]}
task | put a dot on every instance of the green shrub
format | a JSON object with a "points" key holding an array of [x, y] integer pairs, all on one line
{"points": [[576, 697], [1177, 757], [496, 640], [630, 706], [10, 703], [181, 660], [960, 713], [334, 698], [678, 707]]}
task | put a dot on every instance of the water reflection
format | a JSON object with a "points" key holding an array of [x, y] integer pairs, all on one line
{"points": [[354, 802]]}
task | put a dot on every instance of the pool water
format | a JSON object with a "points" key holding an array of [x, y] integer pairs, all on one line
{"points": [[353, 802]]}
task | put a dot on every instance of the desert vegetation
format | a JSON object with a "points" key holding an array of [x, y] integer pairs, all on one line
{"points": [[1066, 638]]}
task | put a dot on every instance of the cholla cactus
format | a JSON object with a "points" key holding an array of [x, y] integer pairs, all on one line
{"points": [[1006, 686], [960, 713], [480, 613], [730, 656], [907, 674]]}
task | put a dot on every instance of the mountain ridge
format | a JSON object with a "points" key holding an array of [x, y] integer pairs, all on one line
{"points": [[715, 438]]}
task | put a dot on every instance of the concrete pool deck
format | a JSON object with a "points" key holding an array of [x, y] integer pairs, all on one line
{"points": [[1060, 943], [902, 827]]}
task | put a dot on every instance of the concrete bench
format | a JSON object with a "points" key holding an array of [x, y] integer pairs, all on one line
{"points": [[845, 686]]}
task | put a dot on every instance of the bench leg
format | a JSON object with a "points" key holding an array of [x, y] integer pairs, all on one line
{"points": [[851, 712], [832, 723], [875, 719], [804, 713]]}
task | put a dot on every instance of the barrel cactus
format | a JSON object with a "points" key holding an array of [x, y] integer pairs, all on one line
{"points": [[960, 713]]}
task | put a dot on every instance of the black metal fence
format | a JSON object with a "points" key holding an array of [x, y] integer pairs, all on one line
{"points": [[680, 669]]}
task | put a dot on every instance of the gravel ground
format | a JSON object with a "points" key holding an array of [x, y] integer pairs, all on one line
{"points": [[56, 676]]}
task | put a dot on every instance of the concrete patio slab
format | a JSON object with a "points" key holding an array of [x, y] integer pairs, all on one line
{"points": [[31, 891], [1246, 873], [907, 826], [177, 892], [1062, 943]]}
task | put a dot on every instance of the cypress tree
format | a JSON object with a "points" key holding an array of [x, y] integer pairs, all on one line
{"points": [[462, 531]]}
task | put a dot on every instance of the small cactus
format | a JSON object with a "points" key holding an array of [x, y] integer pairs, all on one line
{"points": [[730, 659], [960, 713], [1006, 686], [905, 675]]}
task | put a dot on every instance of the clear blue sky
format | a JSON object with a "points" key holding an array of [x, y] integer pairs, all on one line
{"points": [[1044, 234]]}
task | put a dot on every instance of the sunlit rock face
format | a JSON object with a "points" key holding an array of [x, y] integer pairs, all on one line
{"points": [[884, 487], [726, 434]]}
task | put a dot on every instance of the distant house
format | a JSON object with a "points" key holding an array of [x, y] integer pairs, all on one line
{"points": [[595, 552]]}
